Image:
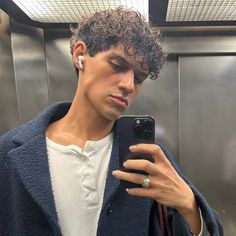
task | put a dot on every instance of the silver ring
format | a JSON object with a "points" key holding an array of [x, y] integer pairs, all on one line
{"points": [[146, 181]]}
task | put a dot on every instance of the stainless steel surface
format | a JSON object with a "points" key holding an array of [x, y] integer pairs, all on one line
{"points": [[184, 29], [30, 70], [207, 130], [199, 44], [62, 78], [8, 101]]}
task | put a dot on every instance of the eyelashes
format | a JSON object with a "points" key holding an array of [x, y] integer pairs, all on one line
{"points": [[118, 68], [123, 68]]}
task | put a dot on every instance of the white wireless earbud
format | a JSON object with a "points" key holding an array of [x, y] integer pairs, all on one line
{"points": [[81, 61]]}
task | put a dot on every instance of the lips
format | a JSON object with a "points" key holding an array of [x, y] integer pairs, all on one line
{"points": [[120, 99]]}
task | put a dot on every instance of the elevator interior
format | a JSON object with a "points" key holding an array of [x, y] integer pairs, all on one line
{"points": [[193, 101]]}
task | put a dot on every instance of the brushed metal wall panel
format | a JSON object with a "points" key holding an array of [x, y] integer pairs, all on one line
{"points": [[9, 117], [62, 78], [160, 99], [30, 70], [207, 130], [201, 44]]}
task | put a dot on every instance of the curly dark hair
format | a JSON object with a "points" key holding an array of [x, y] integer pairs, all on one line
{"points": [[107, 28]]}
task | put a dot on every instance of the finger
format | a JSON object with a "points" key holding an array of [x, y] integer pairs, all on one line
{"points": [[142, 192], [144, 165], [130, 177], [152, 149]]}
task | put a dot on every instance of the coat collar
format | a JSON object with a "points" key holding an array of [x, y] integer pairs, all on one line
{"points": [[31, 161], [39, 124]]}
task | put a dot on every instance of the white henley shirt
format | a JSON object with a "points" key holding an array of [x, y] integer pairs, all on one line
{"points": [[78, 181]]}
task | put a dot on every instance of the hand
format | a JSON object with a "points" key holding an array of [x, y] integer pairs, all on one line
{"points": [[166, 186]]}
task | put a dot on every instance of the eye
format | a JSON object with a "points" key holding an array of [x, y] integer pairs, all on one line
{"points": [[117, 67]]}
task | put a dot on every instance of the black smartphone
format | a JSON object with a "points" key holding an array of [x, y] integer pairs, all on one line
{"points": [[132, 130]]}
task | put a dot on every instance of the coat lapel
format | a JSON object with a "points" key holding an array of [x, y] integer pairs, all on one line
{"points": [[112, 184], [31, 163], [30, 160]]}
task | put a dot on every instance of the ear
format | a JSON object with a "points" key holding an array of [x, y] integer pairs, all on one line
{"points": [[80, 49]]}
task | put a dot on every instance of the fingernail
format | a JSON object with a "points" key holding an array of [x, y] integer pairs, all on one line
{"points": [[124, 164], [132, 148], [127, 190], [115, 172]]}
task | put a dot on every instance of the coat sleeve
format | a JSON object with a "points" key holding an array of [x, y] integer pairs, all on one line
{"points": [[5, 216], [177, 225], [210, 217]]}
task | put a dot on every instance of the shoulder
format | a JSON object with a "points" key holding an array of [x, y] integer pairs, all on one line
{"points": [[32, 128], [6, 142]]}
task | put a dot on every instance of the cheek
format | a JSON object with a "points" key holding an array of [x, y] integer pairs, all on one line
{"points": [[97, 90]]}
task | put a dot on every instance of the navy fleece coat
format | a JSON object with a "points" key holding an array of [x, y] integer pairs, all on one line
{"points": [[27, 206]]}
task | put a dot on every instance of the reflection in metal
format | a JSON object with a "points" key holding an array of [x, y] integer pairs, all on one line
{"points": [[30, 70], [194, 43], [207, 130], [62, 79], [8, 101]]}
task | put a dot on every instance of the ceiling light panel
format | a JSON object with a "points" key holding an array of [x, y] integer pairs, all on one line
{"points": [[201, 10], [70, 11]]}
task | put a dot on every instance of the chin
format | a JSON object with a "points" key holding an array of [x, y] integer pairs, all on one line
{"points": [[113, 116], [111, 113]]}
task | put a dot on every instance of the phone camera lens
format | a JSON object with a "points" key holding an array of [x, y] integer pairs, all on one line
{"points": [[147, 124], [147, 134], [137, 128]]}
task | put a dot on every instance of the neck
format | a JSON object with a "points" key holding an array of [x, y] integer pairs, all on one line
{"points": [[85, 123], [79, 125]]}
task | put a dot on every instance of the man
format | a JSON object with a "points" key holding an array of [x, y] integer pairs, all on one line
{"points": [[59, 172]]}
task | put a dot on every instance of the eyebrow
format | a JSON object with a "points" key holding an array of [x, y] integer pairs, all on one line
{"points": [[118, 57], [121, 59]]}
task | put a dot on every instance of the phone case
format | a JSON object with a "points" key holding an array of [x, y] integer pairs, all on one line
{"points": [[132, 130]]}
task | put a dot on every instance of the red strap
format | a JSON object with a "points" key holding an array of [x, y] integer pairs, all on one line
{"points": [[168, 228], [163, 218]]}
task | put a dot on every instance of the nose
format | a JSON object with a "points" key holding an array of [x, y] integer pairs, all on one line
{"points": [[126, 82]]}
